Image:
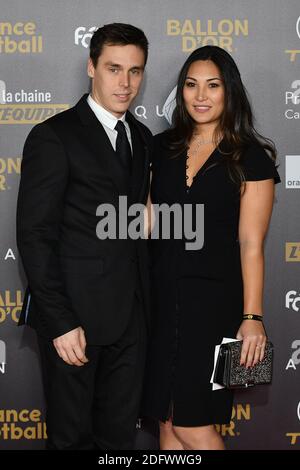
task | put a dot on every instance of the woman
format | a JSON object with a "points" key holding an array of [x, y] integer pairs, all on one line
{"points": [[212, 155]]}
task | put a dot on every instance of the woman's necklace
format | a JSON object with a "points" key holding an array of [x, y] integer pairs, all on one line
{"points": [[196, 145], [198, 142]]}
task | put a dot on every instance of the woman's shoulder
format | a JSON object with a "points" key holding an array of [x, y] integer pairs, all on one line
{"points": [[254, 154], [254, 147], [257, 163]]}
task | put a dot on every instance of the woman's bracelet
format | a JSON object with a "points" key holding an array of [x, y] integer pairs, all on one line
{"points": [[252, 316]]}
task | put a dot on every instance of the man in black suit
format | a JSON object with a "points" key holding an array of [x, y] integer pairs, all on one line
{"points": [[88, 297]]}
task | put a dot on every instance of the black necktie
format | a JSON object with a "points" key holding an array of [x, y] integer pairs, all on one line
{"points": [[123, 149]]}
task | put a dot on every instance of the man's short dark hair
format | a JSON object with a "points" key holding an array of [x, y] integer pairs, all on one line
{"points": [[117, 34]]}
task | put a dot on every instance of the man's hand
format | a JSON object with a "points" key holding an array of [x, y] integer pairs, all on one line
{"points": [[71, 347]]}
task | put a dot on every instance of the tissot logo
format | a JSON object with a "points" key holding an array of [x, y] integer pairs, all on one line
{"points": [[295, 436]]}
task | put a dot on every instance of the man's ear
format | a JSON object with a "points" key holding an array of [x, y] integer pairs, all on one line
{"points": [[90, 68]]}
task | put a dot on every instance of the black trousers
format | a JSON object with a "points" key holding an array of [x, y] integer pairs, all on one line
{"points": [[96, 405]]}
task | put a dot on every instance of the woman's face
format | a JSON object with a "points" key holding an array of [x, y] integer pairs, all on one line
{"points": [[203, 93]]}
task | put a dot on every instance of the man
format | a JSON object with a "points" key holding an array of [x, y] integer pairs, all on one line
{"points": [[88, 297]]}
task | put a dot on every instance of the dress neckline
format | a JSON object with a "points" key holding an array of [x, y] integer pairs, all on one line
{"points": [[189, 187]]}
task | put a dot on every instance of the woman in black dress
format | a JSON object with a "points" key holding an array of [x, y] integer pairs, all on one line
{"points": [[212, 155]]}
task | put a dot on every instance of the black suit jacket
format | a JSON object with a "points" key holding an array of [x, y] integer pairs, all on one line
{"points": [[75, 279]]}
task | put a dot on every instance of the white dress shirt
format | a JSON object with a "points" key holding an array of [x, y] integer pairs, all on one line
{"points": [[109, 121]]}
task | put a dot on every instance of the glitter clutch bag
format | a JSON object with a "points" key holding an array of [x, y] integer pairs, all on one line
{"points": [[231, 374]]}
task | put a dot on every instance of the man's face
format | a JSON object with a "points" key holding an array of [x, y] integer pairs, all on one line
{"points": [[117, 78]]}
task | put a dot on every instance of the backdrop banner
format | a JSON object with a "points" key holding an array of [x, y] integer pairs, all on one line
{"points": [[43, 57]]}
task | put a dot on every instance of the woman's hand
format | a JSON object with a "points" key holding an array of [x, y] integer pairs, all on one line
{"points": [[254, 338]]}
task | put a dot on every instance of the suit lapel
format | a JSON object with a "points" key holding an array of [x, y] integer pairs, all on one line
{"points": [[99, 144]]}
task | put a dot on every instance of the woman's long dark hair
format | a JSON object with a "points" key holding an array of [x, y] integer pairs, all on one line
{"points": [[236, 123]]}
